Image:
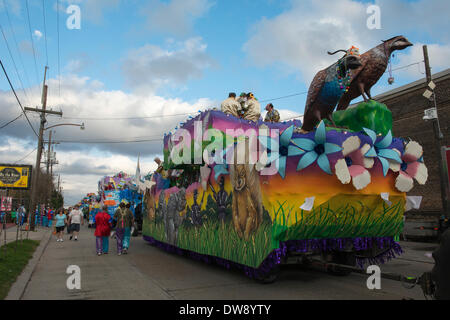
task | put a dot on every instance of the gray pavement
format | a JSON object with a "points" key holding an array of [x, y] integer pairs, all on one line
{"points": [[39, 234], [150, 273]]}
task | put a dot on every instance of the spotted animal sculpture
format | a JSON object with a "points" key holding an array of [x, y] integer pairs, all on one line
{"points": [[327, 88], [373, 65], [173, 218]]}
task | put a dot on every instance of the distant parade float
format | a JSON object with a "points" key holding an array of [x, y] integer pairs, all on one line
{"points": [[111, 192], [333, 187]]}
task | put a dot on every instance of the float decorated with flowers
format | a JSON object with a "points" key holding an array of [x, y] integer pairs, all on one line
{"points": [[337, 192], [331, 191]]}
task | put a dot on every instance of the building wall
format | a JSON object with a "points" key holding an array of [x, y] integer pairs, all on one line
{"points": [[407, 108]]}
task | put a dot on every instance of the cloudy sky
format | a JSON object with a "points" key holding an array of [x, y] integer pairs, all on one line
{"points": [[136, 68]]}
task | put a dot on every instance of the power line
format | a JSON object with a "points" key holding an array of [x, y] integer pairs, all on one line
{"points": [[9, 122], [45, 32], [109, 142], [32, 43], [284, 97], [169, 115], [117, 139], [17, 98], [14, 63], [407, 66], [130, 118], [25, 156], [59, 58], [17, 45]]}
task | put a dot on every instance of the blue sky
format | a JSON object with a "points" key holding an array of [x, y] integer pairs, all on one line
{"points": [[144, 58], [105, 39]]}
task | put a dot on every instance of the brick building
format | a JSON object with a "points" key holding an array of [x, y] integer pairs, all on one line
{"points": [[407, 105]]}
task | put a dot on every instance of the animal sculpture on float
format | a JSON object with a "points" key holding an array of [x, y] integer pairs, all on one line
{"points": [[373, 65], [327, 88], [149, 201], [173, 216]]}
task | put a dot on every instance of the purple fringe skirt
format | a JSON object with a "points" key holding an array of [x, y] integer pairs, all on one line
{"points": [[392, 249]]}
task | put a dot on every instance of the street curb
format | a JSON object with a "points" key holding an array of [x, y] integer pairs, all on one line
{"points": [[18, 288]]}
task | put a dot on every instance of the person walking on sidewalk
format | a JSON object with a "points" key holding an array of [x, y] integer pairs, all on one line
{"points": [[49, 217], [127, 234], [21, 214], [124, 219], [75, 220], [102, 231], [44, 217], [61, 221]]}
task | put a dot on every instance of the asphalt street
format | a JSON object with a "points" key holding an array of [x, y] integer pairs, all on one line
{"points": [[151, 273]]}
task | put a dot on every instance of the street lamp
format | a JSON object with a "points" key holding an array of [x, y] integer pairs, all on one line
{"points": [[82, 127]]}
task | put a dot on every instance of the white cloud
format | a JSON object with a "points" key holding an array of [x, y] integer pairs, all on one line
{"points": [[92, 10], [298, 39], [37, 34], [175, 17], [82, 97], [151, 66], [78, 64], [439, 56]]}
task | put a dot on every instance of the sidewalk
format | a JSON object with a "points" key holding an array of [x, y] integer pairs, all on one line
{"points": [[103, 277], [39, 234]]}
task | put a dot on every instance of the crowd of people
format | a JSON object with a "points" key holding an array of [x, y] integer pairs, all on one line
{"points": [[247, 107], [119, 227]]}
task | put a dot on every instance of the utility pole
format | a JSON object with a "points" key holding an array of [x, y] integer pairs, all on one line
{"points": [[43, 111], [437, 133], [52, 162], [49, 158]]}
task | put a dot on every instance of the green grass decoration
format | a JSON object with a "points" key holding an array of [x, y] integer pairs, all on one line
{"points": [[372, 115], [349, 219], [12, 265]]}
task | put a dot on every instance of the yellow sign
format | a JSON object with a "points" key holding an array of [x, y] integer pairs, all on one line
{"points": [[15, 176]]}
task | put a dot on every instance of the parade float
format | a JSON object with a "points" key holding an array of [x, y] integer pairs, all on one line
{"points": [[119, 188], [336, 191]]}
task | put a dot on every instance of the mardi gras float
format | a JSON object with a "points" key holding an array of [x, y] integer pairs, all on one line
{"points": [[254, 195], [119, 188]]}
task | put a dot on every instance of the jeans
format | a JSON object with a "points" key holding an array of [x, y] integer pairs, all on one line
{"points": [[102, 244], [126, 238], [120, 233]]}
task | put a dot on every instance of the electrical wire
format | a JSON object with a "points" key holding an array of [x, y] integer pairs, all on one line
{"points": [[5, 125], [17, 98], [284, 97], [16, 43], [404, 67], [14, 63], [45, 32], [25, 156], [32, 42], [169, 115], [130, 118], [109, 142], [59, 57]]}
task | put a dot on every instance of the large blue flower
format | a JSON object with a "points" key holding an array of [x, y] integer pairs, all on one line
{"points": [[284, 151], [317, 150], [381, 151]]}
